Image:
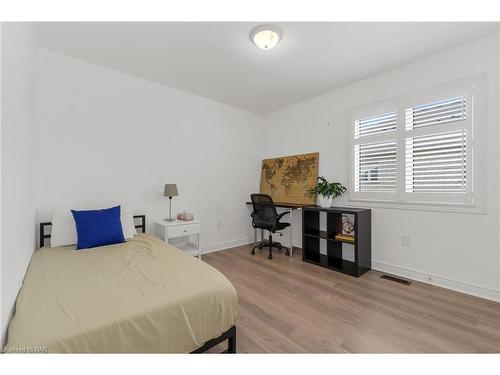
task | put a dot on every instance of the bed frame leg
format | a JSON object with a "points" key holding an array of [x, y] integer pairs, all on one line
{"points": [[229, 335], [231, 342]]}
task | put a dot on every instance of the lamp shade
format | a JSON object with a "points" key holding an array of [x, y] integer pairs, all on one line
{"points": [[170, 190]]}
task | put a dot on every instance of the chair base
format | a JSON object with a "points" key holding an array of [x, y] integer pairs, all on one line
{"points": [[265, 244]]}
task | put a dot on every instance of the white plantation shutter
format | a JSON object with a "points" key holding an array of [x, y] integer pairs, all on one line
{"points": [[421, 148], [375, 167], [436, 159], [436, 113], [437, 163], [375, 125]]}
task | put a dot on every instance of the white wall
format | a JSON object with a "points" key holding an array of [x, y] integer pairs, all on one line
{"points": [[106, 137], [2, 328], [17, 161], [444, 245], [497, 106]]}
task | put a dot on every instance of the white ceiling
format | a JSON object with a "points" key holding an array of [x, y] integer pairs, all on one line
{"points": [[218, 61]]}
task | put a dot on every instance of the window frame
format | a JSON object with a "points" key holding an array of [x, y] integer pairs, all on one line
{"points": [[471, 201]]}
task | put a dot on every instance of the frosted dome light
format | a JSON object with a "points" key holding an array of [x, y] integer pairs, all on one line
{"points": [[266, 37]]}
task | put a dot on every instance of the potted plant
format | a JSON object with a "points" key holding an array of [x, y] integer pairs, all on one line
{"points": [[327, 191]]}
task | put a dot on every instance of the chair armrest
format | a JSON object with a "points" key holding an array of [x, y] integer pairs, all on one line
{"points": [[282, 214]]}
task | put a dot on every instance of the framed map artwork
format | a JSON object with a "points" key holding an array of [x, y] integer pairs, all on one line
{"points": [[287, 178]]}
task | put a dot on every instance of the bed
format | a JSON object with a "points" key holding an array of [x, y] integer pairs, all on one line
{"points": [[142, 296]]}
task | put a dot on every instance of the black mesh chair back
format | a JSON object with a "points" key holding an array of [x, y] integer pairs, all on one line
{"points": [[264, 212], [265, 216]]}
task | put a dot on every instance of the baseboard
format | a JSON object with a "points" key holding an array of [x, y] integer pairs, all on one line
{"points": [[225, 245], [458, 286]]}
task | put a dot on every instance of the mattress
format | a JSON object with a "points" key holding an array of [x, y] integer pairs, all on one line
{"points": [[143, 296]]}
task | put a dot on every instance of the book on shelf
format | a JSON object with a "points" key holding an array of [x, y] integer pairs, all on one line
{"points": [[344, 237]]}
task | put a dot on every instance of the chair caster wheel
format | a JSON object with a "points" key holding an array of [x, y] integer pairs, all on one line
{"points": [[252, 252], [270, 256], [287, 253]]}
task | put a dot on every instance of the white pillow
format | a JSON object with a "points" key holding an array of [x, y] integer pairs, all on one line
{"points": [[64, 228], [127, 219]]}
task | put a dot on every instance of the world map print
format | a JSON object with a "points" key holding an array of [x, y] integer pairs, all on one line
{"points": [[288, 178]]}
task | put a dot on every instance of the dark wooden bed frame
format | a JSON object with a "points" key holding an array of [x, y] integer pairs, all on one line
{"points": [[229, 335]]}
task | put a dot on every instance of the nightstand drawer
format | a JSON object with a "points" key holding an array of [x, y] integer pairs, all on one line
{"points": [[183, 230]]}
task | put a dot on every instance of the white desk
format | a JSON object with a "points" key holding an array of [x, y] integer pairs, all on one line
{"points": [[168, 230]]}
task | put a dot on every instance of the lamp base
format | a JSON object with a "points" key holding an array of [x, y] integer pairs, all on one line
{"points": [[170, 219]]}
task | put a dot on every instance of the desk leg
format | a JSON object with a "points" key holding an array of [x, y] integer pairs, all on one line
{"points": [[199, 247], [291, 232]]}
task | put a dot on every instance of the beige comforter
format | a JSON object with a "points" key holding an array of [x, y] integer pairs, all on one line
{"points": [[141, 296]]}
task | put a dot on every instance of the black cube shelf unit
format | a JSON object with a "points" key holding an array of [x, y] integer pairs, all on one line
{"points": [[311, 236]]}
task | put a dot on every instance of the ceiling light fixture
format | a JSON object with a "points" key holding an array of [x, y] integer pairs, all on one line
{"points": [[265, 37]]}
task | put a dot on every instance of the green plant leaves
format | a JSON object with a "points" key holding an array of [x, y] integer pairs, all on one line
{"points": [[327, 189]]}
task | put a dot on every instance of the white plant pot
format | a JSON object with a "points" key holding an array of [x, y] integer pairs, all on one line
{"points": [[324, 201]]}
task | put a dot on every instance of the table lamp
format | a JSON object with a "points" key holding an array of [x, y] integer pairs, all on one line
{"points": [[170, 191]]}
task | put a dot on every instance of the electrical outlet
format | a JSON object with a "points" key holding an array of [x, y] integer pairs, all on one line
{"points": [[405, 240], [219, 224]]}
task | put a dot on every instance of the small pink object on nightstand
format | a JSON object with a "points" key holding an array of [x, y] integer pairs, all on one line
{"points": [[185, 216]]}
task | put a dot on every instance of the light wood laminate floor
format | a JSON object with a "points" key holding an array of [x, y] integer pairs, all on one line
{"points": [[288, 306]]}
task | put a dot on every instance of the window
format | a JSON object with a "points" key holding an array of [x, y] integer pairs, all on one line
{"points": [[376, 125], [439, 112], [375, 166], [418, 149], [437, 163]]}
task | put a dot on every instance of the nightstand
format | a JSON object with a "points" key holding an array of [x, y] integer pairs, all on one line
{"points": [[169, 230]]}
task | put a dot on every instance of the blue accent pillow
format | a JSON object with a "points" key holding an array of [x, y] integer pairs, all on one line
{"points": [[98, 227]]}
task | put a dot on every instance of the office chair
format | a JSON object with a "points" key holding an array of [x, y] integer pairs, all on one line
{"points": [[265, 216]]}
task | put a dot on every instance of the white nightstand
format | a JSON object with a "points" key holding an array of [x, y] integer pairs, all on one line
{"points": [[168, 230]]}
